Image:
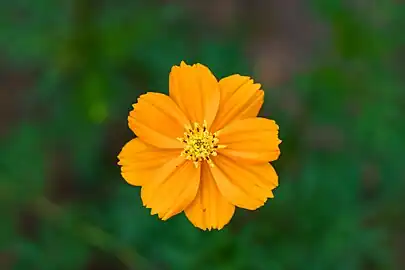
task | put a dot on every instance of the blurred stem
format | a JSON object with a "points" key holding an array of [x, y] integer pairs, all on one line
{"points": [[93, 235]]}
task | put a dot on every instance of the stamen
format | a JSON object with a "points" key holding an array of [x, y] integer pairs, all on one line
{"points": [[199, 144]]}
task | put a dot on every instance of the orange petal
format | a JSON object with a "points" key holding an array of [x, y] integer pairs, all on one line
{"points": [[196, 92], [240, 98], [157, 120], [244, 185], [172, 189], [252, 140], [209, 210], [139, 162]]}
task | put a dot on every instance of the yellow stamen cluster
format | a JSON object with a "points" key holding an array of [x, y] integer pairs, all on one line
{"points": [[199, 144]]}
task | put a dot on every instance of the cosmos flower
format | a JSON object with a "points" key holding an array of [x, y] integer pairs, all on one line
{"points": [[202, 149]]}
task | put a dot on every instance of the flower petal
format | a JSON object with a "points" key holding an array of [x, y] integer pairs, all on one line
{"points": [[139, 161], [157, 120], [196, 92], [240, 98], [252, 140], [244, 185], [209, 210], [172, 189]]}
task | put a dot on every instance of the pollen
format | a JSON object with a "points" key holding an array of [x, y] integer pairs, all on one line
{"points": [[199, 144]]}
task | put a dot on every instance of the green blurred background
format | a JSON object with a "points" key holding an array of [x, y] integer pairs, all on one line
{"points": [[334, 76]]}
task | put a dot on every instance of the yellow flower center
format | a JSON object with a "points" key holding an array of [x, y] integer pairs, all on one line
{"points": [[199, 144]]}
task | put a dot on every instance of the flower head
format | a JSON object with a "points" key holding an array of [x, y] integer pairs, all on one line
{"points": [[202, 149]]}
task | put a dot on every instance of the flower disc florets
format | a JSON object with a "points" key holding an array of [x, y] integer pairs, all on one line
{"points": [[199, 144]]}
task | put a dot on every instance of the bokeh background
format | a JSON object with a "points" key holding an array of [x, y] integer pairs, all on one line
{"points": [[334, 77]]}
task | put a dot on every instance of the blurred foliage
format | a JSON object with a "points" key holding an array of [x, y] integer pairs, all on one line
{"points": [[64, 205]]}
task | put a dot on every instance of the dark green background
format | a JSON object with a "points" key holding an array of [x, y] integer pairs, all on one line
{"points": [[333, 72]]}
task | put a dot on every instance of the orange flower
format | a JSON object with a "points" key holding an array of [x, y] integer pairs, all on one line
{"points": [[202, 149]]}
